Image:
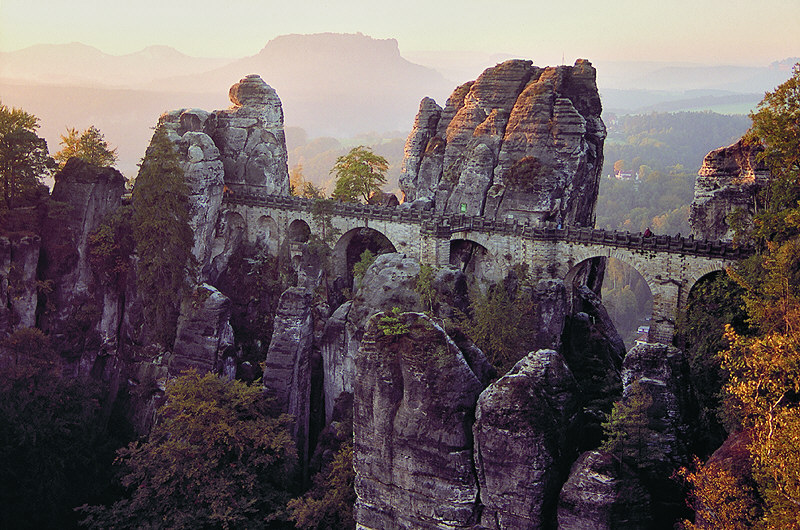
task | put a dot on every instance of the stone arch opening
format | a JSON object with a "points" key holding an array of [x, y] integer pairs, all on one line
{"points": [[266, 234], [624, 291], [299, 231], [703, 301], [347, 251], [475, 260]]}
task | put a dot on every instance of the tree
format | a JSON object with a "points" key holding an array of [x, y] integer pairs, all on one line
{"points": [[162, 236], [627, 429], [88, 145], [24, 157], [776, 126], [217, 458], [760, 396], [55, 451], [359, 174]]}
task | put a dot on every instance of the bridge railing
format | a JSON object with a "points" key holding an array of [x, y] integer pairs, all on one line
{"points": [[448, 224]]}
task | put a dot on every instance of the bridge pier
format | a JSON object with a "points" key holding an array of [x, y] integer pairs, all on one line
{"points": [[435, 251], [666, 297]]}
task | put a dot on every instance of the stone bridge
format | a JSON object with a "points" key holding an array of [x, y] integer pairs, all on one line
{"points": [[670, 265]]}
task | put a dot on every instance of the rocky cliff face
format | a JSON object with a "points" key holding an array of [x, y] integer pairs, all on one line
{"points": [[414, 398], [84, 312], [729, 180], [243, 145], [520, 450], [519, 142], [19, 259]]}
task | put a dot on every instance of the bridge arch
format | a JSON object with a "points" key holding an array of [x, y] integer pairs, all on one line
{"points": [[625, 293], [348, 249], [266, 234], [475, 260], [299, 231]]}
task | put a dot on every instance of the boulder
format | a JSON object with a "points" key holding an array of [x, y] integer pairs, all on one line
{"points": [[520, 142], [414, 396], [729, 180], [602, 494], [520, 426]]}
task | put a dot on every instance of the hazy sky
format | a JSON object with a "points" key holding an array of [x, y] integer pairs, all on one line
{"points": [[702, 31]]}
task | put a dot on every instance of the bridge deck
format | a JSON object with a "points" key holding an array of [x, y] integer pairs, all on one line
{"points": [[446, 225]]}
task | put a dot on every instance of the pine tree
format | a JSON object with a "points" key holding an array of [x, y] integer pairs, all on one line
{"points": [[162, 236]]}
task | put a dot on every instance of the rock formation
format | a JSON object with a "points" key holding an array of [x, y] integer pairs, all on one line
{"points": [[203, 171], [520, 142], [602, 494], [243, 145], [250, 137], [79, 299], [287, 371], [663, 372], [19, 258], [520, 426], [729, 180], [204, 331], [414, 398]]}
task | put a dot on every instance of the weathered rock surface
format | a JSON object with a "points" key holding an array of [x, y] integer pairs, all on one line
{"points": [[520, 426], [729, 179], [19, 258], [245, 144], [414, 398], [203, 172], [663, 372], [204, 332], [389, 282], [600, 494], [594, 352], [519, 142], [251, 139], [89, 193], [287, 371], [337, 358]]}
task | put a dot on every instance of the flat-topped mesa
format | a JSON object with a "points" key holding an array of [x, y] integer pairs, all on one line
{"points": [[520, 142], [729, 180]]}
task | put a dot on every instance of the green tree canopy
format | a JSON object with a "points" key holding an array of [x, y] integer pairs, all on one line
{"points": [[88, 145], [24, 157], [217, 458], [163, 237], [359, 174], [55, 452]]}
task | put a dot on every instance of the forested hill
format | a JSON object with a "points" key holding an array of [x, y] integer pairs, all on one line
{"points": [[661, 140], [661, 153]]}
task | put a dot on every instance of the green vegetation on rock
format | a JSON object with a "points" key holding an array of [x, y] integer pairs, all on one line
{"points": [[162, 236], [217, 458]]}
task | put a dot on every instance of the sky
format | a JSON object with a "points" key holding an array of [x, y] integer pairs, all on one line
{"points": [[752, 33]]}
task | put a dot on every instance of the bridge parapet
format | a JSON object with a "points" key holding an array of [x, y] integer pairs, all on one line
{"points": [[442, 226]]}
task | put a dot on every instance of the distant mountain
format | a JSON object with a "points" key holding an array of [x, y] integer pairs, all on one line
{"points": [[79, 64], [330, 84], [334, 84]]}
